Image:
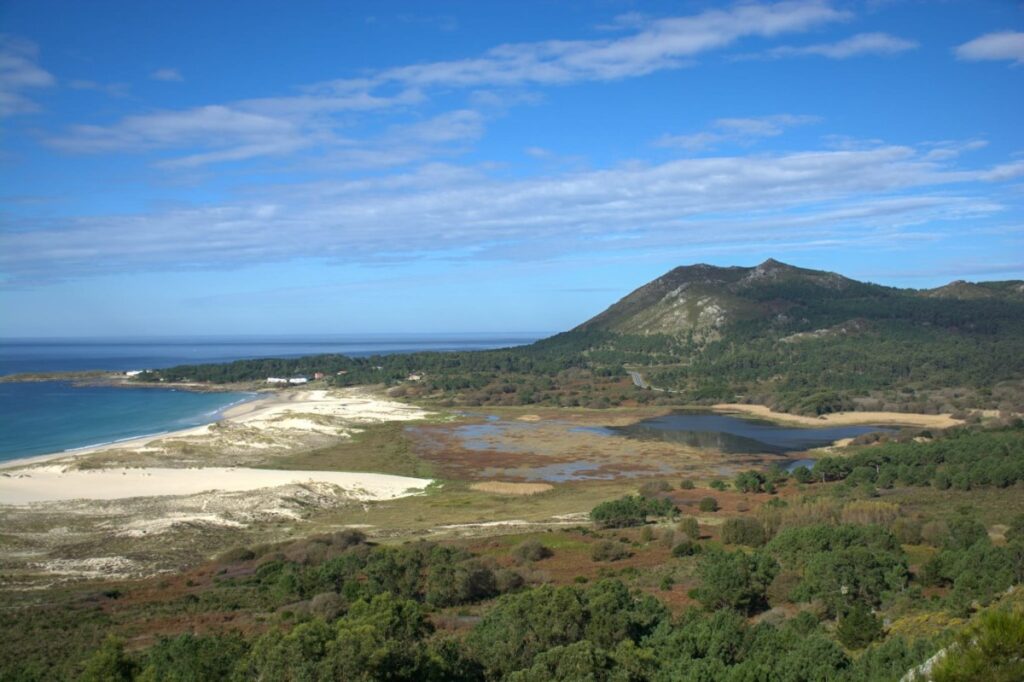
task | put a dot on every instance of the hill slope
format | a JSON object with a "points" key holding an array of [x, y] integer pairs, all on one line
{"points": [[796, 339], [813, 341]]}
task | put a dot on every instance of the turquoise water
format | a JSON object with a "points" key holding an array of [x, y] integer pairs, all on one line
{"points": [[52, 416], [46, 417]]}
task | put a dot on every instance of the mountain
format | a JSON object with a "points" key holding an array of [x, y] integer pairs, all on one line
{"points": [[703, 299], [810, 340], [796, 339]]}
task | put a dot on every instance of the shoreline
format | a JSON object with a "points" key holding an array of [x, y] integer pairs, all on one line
{"points": [[232, 411]]}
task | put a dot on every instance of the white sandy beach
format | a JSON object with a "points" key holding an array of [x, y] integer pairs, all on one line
{"points": [[55, 483], [279, 418], [286, 413]]}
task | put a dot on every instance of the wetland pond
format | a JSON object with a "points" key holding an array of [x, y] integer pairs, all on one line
{"points": [[525, 445], [735, 435]]}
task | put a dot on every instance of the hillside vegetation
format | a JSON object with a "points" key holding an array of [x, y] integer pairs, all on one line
{"points": [[825, 580], [799, 340]]}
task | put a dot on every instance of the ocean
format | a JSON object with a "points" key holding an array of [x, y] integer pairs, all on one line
{"points": [[46, 417]]}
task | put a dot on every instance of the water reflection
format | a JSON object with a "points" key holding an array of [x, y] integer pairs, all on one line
{"points": [[729, 434]]}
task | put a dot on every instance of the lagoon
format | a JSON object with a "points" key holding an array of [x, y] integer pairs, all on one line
{"points": [[735, 435]]}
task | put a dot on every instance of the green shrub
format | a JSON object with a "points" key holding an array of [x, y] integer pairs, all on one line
{"points": [[708, 504], [531, 550], [606, 550], [988, 650], [802, 474], [630, 511], [750, 482], [686, 548], [689, 526], [743, 530], [687, 484], [858, 627], [735, 580]]}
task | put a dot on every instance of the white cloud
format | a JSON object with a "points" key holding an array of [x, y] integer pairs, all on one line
{"points": [[951, 149], [218, 133], [741, 130], [877, 193], [169, 75], [1002, 45], [855, 46], [661, 44], [19, 71], [308, 117]]}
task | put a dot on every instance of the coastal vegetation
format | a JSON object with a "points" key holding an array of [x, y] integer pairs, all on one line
{"points": [[866, 561], [800, 341]]}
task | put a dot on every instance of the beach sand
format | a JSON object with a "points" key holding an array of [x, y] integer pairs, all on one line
{"points": [[56, 483], [935, 421], [285, 414]]}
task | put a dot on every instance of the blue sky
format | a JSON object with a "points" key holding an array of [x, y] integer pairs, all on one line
{"points": [[220, 168]]}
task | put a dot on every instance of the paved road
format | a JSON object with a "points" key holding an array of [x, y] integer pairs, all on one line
{"points": [[638, 379], [640, 382]]}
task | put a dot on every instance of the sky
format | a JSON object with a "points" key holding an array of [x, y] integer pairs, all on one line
{"points": [[313, 168]]}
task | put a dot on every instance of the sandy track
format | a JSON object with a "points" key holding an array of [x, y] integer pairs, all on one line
{"points": [[935, 421]]}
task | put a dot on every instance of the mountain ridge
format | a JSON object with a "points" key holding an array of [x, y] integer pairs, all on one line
{"points": [[700, 299]]}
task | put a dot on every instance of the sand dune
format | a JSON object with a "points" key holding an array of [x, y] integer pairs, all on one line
{"points": [[55, 483]]}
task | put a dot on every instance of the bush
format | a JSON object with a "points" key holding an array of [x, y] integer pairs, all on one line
{"points": [[907, 531], [606, 550], [858, 627], [743, 530], [653, 488], [749, 482], [630, 511], [687, 484], [1016, 529], [531, 550], [686, 548], [708, 504], [802, 474], [717, 484], [506, 580], [236, 555], [109, 663], [735, 580], [327, 605], [690, 527], [988, 650], [867, 512], [935, 533]]}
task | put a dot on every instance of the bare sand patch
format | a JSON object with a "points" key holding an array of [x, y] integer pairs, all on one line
{"points": [[506, 488], [55, 483], [529, 418], [936, 421]]}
